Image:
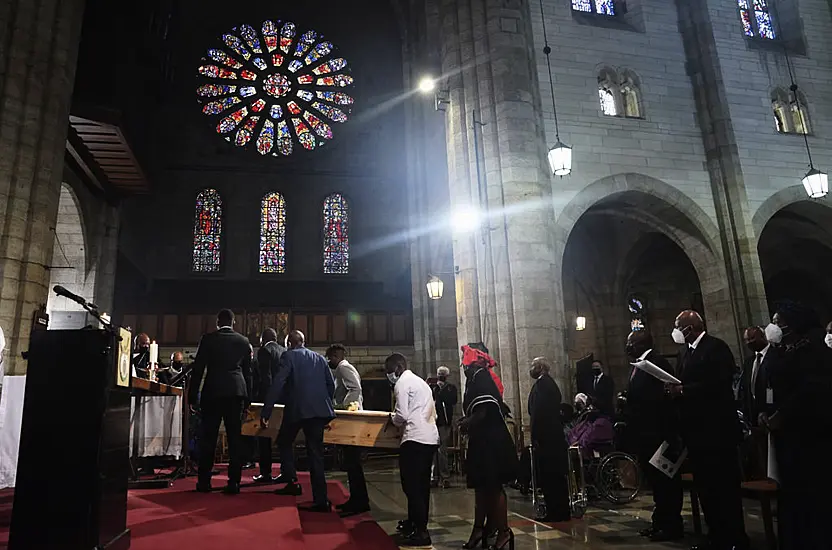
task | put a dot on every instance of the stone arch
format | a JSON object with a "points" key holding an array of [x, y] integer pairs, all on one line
{"points": [[73, 264], [794, 244], [644, 205], [780, 200]]}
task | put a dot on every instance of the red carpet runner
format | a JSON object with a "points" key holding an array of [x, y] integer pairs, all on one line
{"points": [[177, 518]]}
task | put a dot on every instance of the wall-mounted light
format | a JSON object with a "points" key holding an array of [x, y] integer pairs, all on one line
{"points": [[436, 288], [427, 84], [441, 99], [580, 323]]}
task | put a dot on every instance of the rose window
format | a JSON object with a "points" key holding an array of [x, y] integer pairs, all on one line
{"points": [[274, 88]]}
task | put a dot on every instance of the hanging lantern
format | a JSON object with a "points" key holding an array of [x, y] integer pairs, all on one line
{"points": [[816, 183], [580, 323], [435, 288], [560, 159]]}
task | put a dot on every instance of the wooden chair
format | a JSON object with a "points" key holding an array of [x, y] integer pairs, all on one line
{"points": [[763, 491]]}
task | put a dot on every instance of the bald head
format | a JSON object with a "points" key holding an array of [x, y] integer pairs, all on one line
{"points": [[177, 357], [691, 325], [296, 339], [638, 343]]}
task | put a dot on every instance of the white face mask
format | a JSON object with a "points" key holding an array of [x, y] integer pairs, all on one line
{"points": [[774, 334], [393, 377], [678, 336], [828, 340]]}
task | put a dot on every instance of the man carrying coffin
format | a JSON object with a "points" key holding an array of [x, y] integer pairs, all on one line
{"points": [[308, 408]]}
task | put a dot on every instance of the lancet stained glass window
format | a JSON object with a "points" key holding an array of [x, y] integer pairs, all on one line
{"points": [[601, 7], [336, 234], [274, 88], [273, 234], [207, 231], [756, 18]]}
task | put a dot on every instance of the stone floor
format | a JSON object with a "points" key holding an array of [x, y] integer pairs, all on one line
{"points": [[604, 526]]}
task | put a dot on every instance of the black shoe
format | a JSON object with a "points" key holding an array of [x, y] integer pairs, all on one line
{"points": [[404, 526], [285, 479], [319, 508], [264, 479], [249, 465], [661, 535], [417, 539], [354, 510], [343, 505], [291, 489], [203, 487], [231, 489]]}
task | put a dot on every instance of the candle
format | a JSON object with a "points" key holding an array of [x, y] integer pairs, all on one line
{"points": [[154, 353]]}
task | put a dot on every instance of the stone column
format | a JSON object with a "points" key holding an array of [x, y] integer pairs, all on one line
{"points": [[507, 270], [745, 287], [37, 72]]}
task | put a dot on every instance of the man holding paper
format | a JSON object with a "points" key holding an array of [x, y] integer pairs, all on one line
{"points": [[651, 418], [710, 429]]}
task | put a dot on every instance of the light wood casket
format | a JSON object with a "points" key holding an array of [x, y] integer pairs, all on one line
{"points": [[357, 428]]}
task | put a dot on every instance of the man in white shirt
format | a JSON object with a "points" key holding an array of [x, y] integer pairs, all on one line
{"points": [[348, 391], [416, 414]]}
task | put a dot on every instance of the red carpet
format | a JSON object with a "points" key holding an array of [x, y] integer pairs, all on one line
{"points": [[178, 517]]}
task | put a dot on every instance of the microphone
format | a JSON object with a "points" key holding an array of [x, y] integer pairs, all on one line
{"points": [[61, 291]]}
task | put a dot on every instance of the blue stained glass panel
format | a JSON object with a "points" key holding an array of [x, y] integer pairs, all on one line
{"points": [[605, 7], [207, 231], [336, 235], [273, 234], [582, 5]]}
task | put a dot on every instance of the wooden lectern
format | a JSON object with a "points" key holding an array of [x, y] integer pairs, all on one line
{"points": [[73, 464]]}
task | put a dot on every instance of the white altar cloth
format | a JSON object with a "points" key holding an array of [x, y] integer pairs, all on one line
{"points": [[156, 426]]}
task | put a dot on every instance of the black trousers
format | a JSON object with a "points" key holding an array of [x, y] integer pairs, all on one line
{"points": [[554, 484], [265, 452], [355, 476], [667, 492], [415, 461], [717, 479], [228, 410], [313, 432]]}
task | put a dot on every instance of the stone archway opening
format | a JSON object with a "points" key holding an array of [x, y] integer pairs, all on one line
{"points": [[795, 250], [69, 266], [630, 246]]}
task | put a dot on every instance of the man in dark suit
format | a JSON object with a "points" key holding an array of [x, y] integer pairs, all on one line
{"points": [[603, 389], [305, 383], [549, 442], [710, 429], [224, 357], [268, 364], [752, 395], [651, 419]]}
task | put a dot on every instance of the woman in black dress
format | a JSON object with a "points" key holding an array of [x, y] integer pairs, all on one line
{"points": [[491, 457]]}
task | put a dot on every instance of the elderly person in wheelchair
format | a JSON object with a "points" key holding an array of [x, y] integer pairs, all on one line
{"points": [[606, 473], [593, 433]]}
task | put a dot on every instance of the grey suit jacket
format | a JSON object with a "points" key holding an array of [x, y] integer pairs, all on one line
{"points": [[347, 385]]}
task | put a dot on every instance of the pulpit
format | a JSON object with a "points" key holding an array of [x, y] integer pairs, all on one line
{"points": [[71, 490]]}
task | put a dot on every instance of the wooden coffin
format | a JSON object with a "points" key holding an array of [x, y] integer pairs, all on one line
{"points": [[357, 428]]}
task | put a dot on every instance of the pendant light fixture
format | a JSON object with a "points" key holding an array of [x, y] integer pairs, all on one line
{"points": [[560, 155]]}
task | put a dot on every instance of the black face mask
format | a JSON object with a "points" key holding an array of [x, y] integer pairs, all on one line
{"points": [[176, 366]]}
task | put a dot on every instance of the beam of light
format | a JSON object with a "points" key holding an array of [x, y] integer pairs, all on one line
{"points": [[450, 224], [427, 85]]}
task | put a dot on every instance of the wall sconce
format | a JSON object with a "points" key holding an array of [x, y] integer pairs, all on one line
{"points": [[435, 286], [441, 100], [580, 323]]}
